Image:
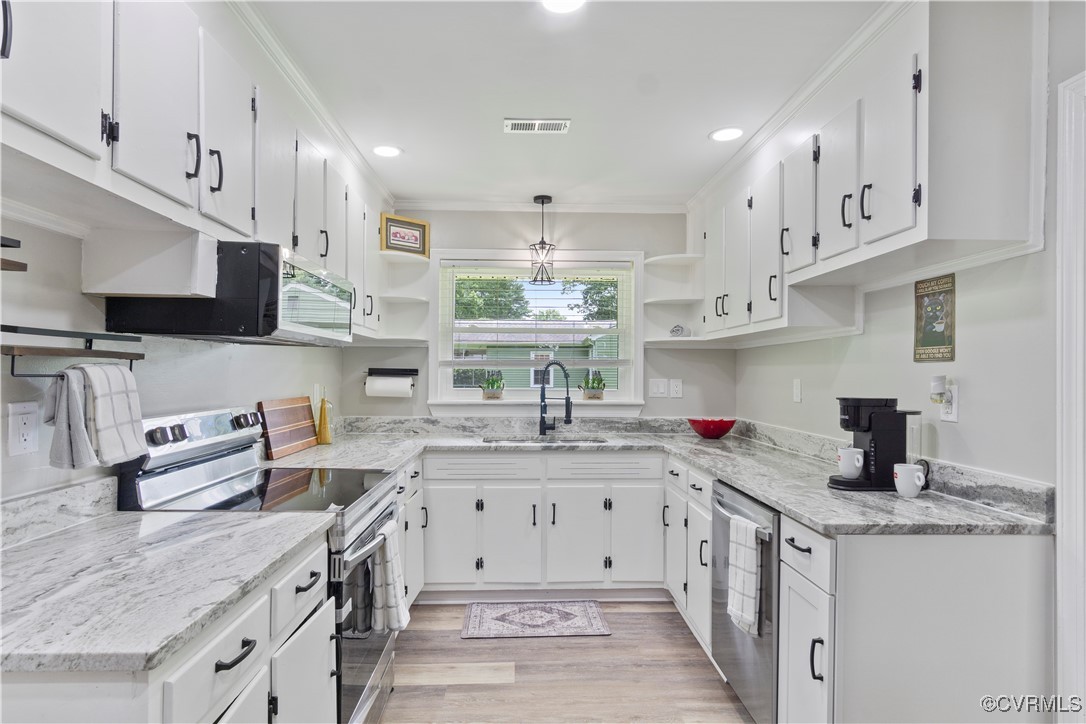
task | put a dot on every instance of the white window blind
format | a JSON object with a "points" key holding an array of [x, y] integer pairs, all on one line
{"points": [[493, 322]]}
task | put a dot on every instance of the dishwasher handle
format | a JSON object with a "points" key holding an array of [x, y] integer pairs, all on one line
{"points": [[763, 534]]}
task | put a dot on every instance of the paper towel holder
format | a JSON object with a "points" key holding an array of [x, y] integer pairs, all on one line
{"points": [[393, 372]]}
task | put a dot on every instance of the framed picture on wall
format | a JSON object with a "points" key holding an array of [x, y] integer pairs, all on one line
{"points": [[399, 233], [933, 338]]}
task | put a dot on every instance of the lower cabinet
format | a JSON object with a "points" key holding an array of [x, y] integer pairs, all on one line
{"points": [[637, 533], [805, 650], [674, 517], [449, 545], [577, 533], [413, 554], [252, 703], [511, 539], [699, 574], [303, 671]]}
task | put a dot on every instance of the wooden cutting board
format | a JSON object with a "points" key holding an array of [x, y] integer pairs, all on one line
{"points": [[288, 426]]}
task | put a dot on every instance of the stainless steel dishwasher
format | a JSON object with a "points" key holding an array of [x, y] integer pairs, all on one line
{"points": [[749, 662]]}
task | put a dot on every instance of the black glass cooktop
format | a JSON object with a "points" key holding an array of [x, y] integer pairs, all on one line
{"points": [[285, 489]]}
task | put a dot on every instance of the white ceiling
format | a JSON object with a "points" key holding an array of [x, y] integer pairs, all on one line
{"points": [[643, 82]]}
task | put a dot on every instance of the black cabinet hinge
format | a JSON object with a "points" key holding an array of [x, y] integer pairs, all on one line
{"points": [[607, 562], [111, 130], [686, 522], [750, 307], [405, 590], [296, 145], [294, 241], [705, 235], [480, 563], [253, 105], [479, 504], [817, 155], [918, 78], [917, 194], [406, 525], [750, 202], [816, 240], [252, 213], [273, 705], [606, 503], [684, 586]]}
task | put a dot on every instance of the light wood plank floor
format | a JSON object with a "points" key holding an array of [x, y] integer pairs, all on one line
{"points": [[650, 669]]}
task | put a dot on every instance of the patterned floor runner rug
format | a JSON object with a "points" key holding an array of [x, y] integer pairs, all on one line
{"points": [[533, 618]]}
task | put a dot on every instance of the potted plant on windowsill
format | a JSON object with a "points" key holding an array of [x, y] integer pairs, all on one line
{"points": [[592, 386], [493, 386]]}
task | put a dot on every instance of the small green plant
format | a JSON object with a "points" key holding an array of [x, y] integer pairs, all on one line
{"points": [[493, 382], [592, 382]]}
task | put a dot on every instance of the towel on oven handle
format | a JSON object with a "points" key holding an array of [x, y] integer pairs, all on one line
{"points": [[389, 602]]}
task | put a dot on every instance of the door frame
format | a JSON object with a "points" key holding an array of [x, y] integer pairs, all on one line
{"points": [[1071, 390]]}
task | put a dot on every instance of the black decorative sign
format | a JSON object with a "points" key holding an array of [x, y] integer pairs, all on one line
{"points": [[933, 338]]}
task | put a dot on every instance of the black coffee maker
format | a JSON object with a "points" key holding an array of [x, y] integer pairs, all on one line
{"points": [[879, 429]]}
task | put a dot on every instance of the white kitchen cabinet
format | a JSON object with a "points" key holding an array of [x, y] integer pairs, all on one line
{"points": [[53, 78], [712, 222], [363, 232], [276, 136], [356, 256], [309, 200], [156, 97], [805, 650], [766, 287], [637, 532], [888, 174], [798, 227], [303, 671], [333, 255], [736, 302], [675, 545], [252, 703], [512, 543], [450, 549], [577, 533], [838, 172], [226, 109], [414, 553], [699, 574]]}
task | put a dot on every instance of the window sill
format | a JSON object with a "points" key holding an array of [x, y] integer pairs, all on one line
{"points": [[528, 408]]}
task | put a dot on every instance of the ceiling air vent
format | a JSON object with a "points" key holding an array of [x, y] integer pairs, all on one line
{"points": [[526, 125]]}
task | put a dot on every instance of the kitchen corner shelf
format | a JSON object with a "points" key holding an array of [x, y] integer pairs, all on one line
{"points": [[404, 299], [404, 257], [673, 259], [87, 352], [12, 265], [673, 300]]}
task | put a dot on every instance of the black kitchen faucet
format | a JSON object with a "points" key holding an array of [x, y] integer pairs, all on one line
{"points": [[543, 424]]}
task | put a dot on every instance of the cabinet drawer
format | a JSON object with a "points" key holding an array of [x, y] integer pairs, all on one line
{"points": [[192, 690], [300, 590], [810, 553], [594, 466], [492, 467], [677, 474], [700, 487]]}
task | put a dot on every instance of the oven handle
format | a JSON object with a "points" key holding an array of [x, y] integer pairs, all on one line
{"points": [[764, 534], [349, 562]]}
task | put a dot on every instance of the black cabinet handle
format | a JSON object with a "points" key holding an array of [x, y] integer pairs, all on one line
{"points": [[247, 647], [533, 514], [718, 306], [400, 489], [792, 542], [334, 673], [696, 487], [314, 576], [863, 202], [663, 516], [844, 223], [554, 513], [369, 298], [783, 252], [672, 473], [5, 44], [218, 156], [771, 278], [199, 156], [327, 243], [816, 677], [354, 299], [701, 553], [722, 312], [425, 517], [415, 474]]}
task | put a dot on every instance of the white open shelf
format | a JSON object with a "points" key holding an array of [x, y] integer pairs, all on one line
{"points": [[404, 257], [674, 259], [674, 300], [687, 342], [404, 299]]}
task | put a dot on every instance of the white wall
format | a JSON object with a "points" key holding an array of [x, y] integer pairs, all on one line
{"points": [[1006, 345]]}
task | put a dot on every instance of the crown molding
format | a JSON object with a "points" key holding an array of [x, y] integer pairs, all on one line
{"points": [[32, 216], [507, 206], [880, 20], [277, 53]]}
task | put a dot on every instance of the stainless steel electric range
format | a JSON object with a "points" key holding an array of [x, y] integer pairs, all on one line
{"points": [[210, 461]]}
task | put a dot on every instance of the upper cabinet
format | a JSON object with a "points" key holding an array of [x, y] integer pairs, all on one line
{"points": [[838, 172], [55, 78], [766, 289], [309, 200], [333, 256], [735, 304], [798, 237], [276, 137]]}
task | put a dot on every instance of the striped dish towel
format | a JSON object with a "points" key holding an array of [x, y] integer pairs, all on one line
{"points": [[744, 575], [389, 605], [113, 415], [65, 411]]}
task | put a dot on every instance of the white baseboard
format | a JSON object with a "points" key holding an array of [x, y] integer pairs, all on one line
{"points": [[605, 595]]}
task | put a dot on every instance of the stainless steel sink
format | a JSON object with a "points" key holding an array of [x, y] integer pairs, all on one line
{"points": [[546, 439]]}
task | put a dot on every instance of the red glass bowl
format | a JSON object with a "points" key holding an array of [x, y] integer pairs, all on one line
{"points": [[712, 428]]}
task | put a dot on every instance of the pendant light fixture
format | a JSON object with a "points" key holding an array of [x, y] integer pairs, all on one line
{"points": [[542, 252]]}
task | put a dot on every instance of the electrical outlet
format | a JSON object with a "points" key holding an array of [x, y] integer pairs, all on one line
{"points": [[657, 388], [675, 388], [22, 428], [948, 411], [797, 391]]}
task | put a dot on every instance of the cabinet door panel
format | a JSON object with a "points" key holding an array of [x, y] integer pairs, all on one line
{"points": [[252, 703], [699, 555], [838, 192], [736, 261], [414, 555], [637, 533], [577, 533], [766, 289], [675, 534], [374, 271], [806, 626], [302, 670], [512, 534], [798, 206], [309, 200], [889, 154], [275, 139], [450, 549], [334, 249], [356, 254], [711, 221], [226, 96], [156, 96], [52, 79]]}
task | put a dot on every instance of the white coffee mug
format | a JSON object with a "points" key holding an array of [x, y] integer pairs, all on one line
{"points": [[850, 461], [909, 479]]}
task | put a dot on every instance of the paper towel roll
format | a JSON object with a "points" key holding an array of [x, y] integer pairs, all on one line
{"points": [[389, 386]]}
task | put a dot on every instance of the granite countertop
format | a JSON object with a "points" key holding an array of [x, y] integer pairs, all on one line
{"points": [[791, 483], [124, 591]]}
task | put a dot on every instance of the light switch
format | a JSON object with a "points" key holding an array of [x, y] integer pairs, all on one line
{"points": [[675, 388], [657, 388]]}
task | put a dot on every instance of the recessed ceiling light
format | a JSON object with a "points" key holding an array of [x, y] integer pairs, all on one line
{"points": [[562, 6], [387, 151], [726, 134]]}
